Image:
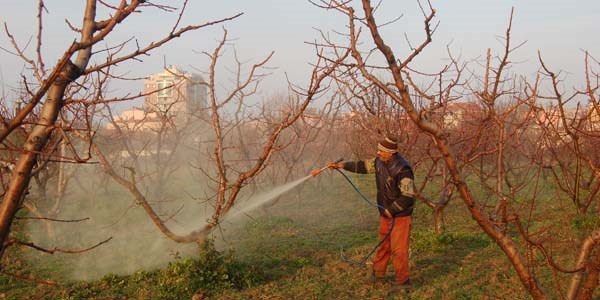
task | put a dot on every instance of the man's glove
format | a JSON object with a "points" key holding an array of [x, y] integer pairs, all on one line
{"points": [[332, 165], [387, 213], [335, 165]]}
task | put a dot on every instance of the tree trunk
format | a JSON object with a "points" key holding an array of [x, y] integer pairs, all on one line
{"points": [[438, 218], [585, 281], [35, 144], [68, 72]]}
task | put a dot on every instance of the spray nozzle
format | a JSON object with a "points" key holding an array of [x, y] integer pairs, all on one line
{"points": [[329, 165]]}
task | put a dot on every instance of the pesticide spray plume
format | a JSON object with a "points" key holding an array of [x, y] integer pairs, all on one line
{"points": [[136, 243], [261, 199]]}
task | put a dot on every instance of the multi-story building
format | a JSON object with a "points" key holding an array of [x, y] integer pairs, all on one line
{"points": [[593, 116], [174, 91], [172, 94]]}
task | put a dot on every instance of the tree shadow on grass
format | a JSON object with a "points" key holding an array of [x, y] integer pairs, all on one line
{"points": [[434, 256]]}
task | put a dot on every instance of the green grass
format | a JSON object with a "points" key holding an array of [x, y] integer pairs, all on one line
{"points": [[291, 250], [210, 272]]}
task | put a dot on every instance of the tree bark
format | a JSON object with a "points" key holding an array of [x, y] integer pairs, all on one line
{"points": [[37, 139], [583, 282]]}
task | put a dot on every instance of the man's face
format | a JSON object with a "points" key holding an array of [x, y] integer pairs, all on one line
{"points": [[385, 156]]}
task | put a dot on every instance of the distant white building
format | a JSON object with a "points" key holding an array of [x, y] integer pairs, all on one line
{"points": [[594, 117], [172, 93]]}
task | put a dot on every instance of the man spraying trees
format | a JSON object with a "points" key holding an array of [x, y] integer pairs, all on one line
{"points": [[395, 199]]}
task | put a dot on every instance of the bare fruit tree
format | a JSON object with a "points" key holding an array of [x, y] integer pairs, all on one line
{"points": [[68, 91], [241, 142]]}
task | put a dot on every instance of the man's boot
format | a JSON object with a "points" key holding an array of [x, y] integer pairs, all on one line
{"points": [[371, 279], [399, 287]]}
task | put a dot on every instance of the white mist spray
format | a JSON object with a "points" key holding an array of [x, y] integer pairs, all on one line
{"points": [[257, 201]]}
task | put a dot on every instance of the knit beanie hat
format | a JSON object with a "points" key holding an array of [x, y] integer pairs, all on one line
{"points": [[388, 145]]}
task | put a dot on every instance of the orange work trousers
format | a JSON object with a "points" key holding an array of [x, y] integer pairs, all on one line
{"points": [[396, 246]]}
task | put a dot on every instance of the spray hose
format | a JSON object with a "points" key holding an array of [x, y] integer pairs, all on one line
{"points": [[387, 235]]}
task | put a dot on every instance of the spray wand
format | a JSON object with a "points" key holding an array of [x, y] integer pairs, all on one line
{"points": [[318, 171]]}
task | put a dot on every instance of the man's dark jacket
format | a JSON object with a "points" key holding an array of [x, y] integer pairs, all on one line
{"points": [[394, 179]]}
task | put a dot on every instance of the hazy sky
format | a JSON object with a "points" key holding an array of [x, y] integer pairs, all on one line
{"points": [[560, 29]]}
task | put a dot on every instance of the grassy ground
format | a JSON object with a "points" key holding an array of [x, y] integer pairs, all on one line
{"points": [[291, 250]]}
